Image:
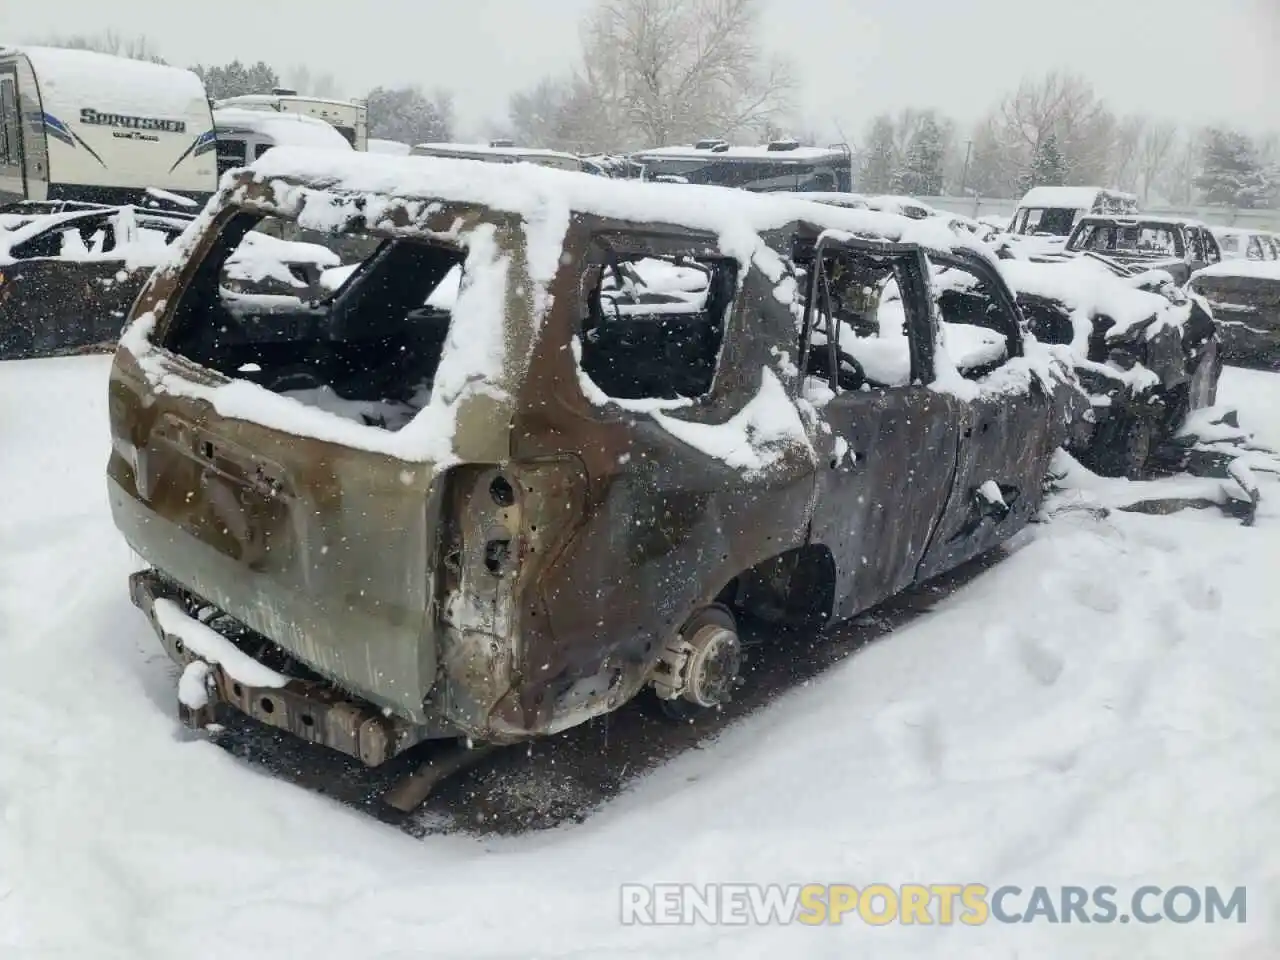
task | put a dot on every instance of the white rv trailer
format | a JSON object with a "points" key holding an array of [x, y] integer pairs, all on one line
{"points": [[76, 125], [349, 117], [245, 135]]}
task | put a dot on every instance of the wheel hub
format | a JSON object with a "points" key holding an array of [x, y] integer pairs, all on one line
{"points": [[700, 668]]}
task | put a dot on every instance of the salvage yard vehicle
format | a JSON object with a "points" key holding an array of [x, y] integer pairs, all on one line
{"points": [[67, 279], [1236, 243], [1175, 245], [1146, 350], [1054, 211], [1245, 295], [372, 520], [77, 125], [779, 166]]}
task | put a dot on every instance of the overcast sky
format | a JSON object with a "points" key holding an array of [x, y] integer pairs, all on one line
{"points": [[1194, 61]]}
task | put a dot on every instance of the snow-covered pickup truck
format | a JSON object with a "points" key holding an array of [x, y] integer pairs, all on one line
{"points": [[373, 520]]}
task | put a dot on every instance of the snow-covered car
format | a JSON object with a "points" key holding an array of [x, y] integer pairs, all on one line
{"points": [[373, 520], [1237, 243], [1173, 244], [1147, 351], [1054, 211], [67, 278], [1245, 295]]}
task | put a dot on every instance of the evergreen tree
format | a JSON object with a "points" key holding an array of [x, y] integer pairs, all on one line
{"points": [[1048, 165], [880, 158], [235, 79], [408, 115], [922, 172], [1232, 173]]}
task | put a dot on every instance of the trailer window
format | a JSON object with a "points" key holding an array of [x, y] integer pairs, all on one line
{"points": [[9, 121], [231, 154]]}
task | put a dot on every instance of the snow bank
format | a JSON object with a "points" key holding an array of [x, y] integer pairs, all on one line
{"points": [[1097, 707]]}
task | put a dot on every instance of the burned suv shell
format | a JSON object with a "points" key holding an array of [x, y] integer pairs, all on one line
{"points": [[530, 551]]}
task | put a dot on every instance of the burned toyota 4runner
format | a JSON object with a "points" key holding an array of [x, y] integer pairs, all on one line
{"points": [[497, 506]]}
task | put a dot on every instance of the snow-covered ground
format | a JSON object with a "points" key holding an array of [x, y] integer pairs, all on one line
{"points": [[1101, 707]]}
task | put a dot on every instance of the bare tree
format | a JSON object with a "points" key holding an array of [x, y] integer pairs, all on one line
{"points": [[676, 70], [1126, 152], [1158, 142], [309, 84], [1065, 106], [138, 47]]}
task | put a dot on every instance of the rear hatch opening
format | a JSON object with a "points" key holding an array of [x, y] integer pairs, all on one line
{"points": [[348, 325]]}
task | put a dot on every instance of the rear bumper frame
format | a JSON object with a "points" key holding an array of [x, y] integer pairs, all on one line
{"points": [[313, 710]]}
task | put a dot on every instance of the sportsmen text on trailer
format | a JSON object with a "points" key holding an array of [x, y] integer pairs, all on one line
{"points": [[89, 115]]}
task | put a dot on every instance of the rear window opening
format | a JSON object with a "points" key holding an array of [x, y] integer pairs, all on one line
{"points": [[654, 325], [359, 339]]}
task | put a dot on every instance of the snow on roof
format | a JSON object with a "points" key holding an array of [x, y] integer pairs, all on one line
{"points": [[1254, 269], [294, 129], [393, 147], [462, 148], [691, 152], [1139, 218], [270, 99], [546, 195], [114, 84], [1069, 198]]}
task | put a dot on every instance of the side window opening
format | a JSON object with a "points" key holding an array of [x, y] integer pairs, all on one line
{"points": [[857, 332], [654, 325], [261, 148], [364, 345], [1195, 244], [979, 331]]}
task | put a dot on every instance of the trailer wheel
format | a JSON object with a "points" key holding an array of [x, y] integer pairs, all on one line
{"points": [[699, 667]]}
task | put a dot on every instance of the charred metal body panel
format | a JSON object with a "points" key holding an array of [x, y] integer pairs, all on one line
{"points": [[1248, 312], [530, 581], [51, 307]]}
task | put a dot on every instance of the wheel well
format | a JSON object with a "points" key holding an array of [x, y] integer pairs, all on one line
{"points": [[796, 587]]}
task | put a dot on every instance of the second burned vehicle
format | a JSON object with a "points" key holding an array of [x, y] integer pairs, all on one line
{"points": [[390, 514]]}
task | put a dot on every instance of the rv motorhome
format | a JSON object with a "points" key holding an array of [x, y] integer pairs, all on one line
{"points": [[245, 135], [77, 125], [349, 117]]}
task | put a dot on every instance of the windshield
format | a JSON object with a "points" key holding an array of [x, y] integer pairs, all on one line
{"points": [[1140, 239]]}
